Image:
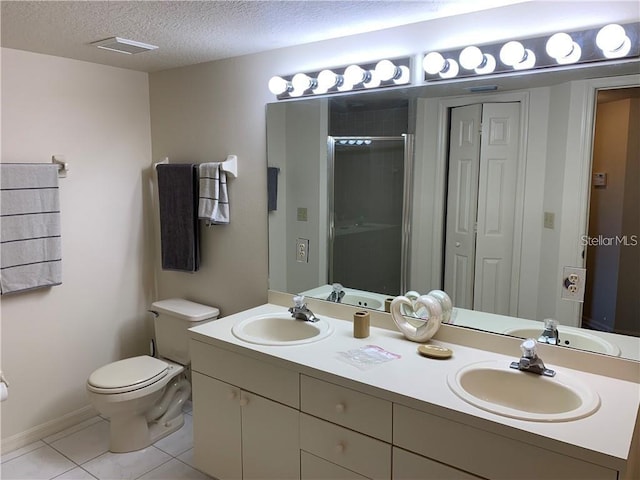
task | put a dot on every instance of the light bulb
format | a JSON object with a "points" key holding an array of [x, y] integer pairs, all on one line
{"points": [[433, 63], [404, 77], [613, 41], [562, 47], [471, 58], [386, 70], [512, 53], [353, 75], [327, 79], [488, 64], [372, 80], [278, 85], [451, 69], [302, 82]]}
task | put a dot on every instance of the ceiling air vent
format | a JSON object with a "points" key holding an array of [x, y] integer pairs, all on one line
{"points": [[123, 45]]}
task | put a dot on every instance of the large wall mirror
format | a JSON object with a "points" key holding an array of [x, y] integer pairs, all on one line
{"points": [[503, 183]]}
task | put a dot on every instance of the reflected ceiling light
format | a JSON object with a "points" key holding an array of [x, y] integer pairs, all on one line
{"points": [[513, 54], [374, 80], [434, 63], [472, 58], [612, 39], [303, 82], [562, 47], [405, 75], [278, 85]]}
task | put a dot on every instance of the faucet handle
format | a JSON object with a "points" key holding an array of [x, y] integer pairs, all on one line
{"points": [[298, 301], [550, 324], [528, 348], [337, 287]]}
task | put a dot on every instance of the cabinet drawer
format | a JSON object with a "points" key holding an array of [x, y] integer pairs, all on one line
{"points": [[273, 382], [316, 468], [484, 453], [353, 451], [409, 466], [359, 411]]}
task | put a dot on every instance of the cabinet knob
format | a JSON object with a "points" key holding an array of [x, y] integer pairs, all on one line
{"points": [[340, 408], [244, 401], [340, 448]]}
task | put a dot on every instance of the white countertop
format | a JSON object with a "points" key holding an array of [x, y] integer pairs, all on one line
{"points": [[421, 383]]}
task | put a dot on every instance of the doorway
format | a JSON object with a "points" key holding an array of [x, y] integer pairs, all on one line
{"points": [[481, 197], [612, 243]]}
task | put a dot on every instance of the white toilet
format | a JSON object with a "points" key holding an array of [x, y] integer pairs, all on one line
{"points": [[143, 396]]}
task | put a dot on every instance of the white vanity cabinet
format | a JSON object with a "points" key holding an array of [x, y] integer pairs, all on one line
{"points": [[239, 431]]}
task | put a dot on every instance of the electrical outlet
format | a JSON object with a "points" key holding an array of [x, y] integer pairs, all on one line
{"points": [[573, 282], [549, 220], [302, 250]]}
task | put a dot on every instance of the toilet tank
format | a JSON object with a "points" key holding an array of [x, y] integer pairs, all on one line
{"points": [[174, 317]]}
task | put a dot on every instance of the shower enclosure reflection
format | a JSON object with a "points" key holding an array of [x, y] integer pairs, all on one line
{"points": [[368, 212]]}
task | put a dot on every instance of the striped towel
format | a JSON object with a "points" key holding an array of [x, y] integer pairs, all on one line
{"points": [[213, 205], [30, 227]]}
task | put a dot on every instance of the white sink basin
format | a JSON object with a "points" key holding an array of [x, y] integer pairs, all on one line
{"points": [[362, 301], [280, 329], [497, 388], [571, 337]]}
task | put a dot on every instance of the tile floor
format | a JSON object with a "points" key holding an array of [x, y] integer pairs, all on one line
{"points": [[82, 453]]}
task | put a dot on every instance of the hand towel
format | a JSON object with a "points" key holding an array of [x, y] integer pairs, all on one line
{"points": [[179, 228], [214, 201], [31, 253]]}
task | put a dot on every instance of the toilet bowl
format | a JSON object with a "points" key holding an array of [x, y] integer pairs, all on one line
{"points": [[143, 396]]}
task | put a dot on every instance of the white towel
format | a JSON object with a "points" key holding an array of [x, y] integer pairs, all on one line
{"points": [[213, 204], [30, 227]]}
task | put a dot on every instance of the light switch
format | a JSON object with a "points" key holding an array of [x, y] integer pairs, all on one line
{"points": [[599, 179]]}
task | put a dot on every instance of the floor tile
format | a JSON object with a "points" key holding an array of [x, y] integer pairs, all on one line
{"points": [[40, 464], [180, 441], [57, 436], [85, 444], [187, 457], [21, 451], [76, 474], [126, 466], [173, 470]]}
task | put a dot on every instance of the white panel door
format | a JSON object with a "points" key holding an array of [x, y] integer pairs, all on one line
{"points": [[496, 207], [462, 201]]}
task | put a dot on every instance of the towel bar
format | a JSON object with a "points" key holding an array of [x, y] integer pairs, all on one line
{"points": [[63, 167], [230, 165]]}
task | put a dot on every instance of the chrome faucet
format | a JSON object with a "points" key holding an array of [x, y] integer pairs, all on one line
{"points": [[530, 361], [550, 334], [337, 293], [300, 311]]}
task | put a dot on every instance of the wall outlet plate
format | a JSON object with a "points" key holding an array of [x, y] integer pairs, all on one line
{"points": [[302, 250], [573, 282]]}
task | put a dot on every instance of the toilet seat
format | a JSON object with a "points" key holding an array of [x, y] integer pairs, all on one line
{"points": [[127, 375]]}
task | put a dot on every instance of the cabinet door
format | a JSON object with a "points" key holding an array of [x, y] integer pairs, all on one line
{"points": [[409, 466], [270, 439], [217, 447], [316, 468]]}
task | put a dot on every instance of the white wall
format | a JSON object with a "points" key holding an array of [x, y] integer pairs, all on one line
{"points": [[52, 339]]}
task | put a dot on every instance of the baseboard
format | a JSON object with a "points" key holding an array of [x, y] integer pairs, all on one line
{"points": [[49, 428]]}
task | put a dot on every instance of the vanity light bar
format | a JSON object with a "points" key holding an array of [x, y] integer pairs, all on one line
{"points": [[611, 41], [385, 73]]}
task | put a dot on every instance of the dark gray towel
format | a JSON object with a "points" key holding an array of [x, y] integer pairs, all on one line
{"points": [[179, 228], [272, 188]]}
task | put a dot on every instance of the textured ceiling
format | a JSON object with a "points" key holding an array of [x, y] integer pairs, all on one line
{"points": [[190, 32]]}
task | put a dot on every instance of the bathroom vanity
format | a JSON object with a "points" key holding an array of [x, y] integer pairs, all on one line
{"points": [[307, 411]]}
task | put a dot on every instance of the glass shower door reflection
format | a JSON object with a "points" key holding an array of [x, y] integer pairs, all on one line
{"points": [[368, 212]]}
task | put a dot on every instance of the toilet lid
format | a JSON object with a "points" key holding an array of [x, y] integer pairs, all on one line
{"points": [[129, 374]]}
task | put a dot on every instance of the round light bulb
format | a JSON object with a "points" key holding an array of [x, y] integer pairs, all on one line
{"points": [[404, 77], [373, 80], [301, 82], [488, 64], [386, 70], [353, 75], [512, 53], [451, 69], [433, 63], [471, 58], [327, 79], [528, 61], [278, 85], [562, 47], [613, 41]]}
